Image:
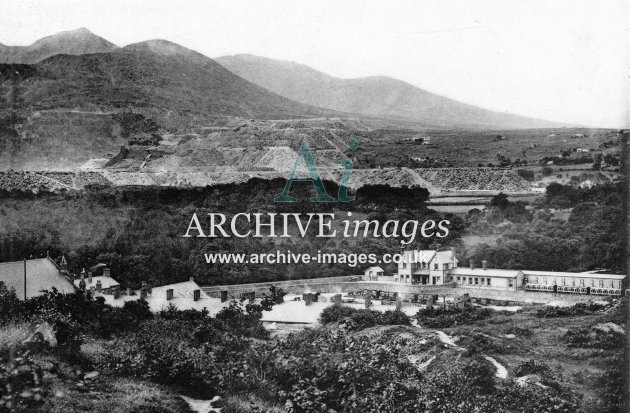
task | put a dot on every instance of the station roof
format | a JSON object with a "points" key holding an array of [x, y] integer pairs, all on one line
{"points": [[480, 272]]}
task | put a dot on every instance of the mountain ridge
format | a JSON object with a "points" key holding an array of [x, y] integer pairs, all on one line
{"points": [[370, 96], [73, 42]]}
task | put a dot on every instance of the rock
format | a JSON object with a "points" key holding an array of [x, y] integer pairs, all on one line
{"points": [[217, 402], [91, 375], [46, 365]]}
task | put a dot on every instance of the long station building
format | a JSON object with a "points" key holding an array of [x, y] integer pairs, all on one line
{"points": [[431, 267]]}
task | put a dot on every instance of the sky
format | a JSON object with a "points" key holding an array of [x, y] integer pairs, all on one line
{"points": [[562, 60]]}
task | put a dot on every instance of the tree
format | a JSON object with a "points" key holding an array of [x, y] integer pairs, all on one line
{"points": [[500, 201]]}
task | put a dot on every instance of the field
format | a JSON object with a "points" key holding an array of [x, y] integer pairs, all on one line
{"points": [[458, 148]]}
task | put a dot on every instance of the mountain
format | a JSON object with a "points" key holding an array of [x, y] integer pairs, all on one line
{"points": [[74, 42], [373, 96], [66, 109], [154, 75]]}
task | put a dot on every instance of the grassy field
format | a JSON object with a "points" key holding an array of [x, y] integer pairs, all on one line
{"points": [[459, 148]]}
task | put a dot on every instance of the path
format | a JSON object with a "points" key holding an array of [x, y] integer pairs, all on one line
{"points": [[502, 372], [420, 181], [202, 406]]}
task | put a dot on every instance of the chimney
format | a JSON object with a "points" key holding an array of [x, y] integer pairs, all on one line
{"points": [[83, 273], [99, 286], [169, 294], [89, 277], [472, 264], [128, 291], [144, 290], [484, 264], [196, 295], [192, 279], [92, 288], [107, 272]]}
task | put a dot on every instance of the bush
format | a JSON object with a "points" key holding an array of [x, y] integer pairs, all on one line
{"points": [[359, 319], [20, 381], [528, 367], [526, 174], [572, 311], [245, 320], [441, 317], [335, 313], [601, 337], [159, 352], [331, 371], [519, 331], [480, 343]]}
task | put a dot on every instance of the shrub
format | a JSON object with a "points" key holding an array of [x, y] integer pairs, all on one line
{"points": [[245, 320], [572, 311], [359, 319], [20, 380], [441, 317], [528, 367], [335, 313], [519, 331], [526, 174], [600, 337], [480, 343], [160, 352], [10, 305]]}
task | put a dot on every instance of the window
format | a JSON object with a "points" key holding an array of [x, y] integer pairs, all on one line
{"points": [[458, 279], [592, 282], [404, 265], [612, 284], [436, 267], [535, 280], [564, 281], [511, 283], [601, 283], [573, 282], [488, 281], [582, 283], [483, 281], [476, 280], [445, 266]]}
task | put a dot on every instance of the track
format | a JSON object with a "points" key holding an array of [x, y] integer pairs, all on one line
{"points": [[420, 181]]}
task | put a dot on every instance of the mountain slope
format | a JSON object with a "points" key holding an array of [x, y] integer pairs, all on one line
{"points": [[374, 96], [156, 75], [74, 42], [67, 109]]}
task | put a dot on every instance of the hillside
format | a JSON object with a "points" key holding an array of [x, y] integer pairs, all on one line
{"points": [[156, 75], [373, 96], [63, 110], [73, 42]]}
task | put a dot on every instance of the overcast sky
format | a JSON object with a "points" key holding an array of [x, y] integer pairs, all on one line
{"points": [[557, 60]]}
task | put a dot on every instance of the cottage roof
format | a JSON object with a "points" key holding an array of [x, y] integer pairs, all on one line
{"points": [[183, 298], [106, 282], [41, 274]]}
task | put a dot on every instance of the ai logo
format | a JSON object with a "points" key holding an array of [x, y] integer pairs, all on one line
{"points": [[315, 179]]}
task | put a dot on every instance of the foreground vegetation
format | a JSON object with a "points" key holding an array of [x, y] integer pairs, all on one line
{"points": [[370, 364]]}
